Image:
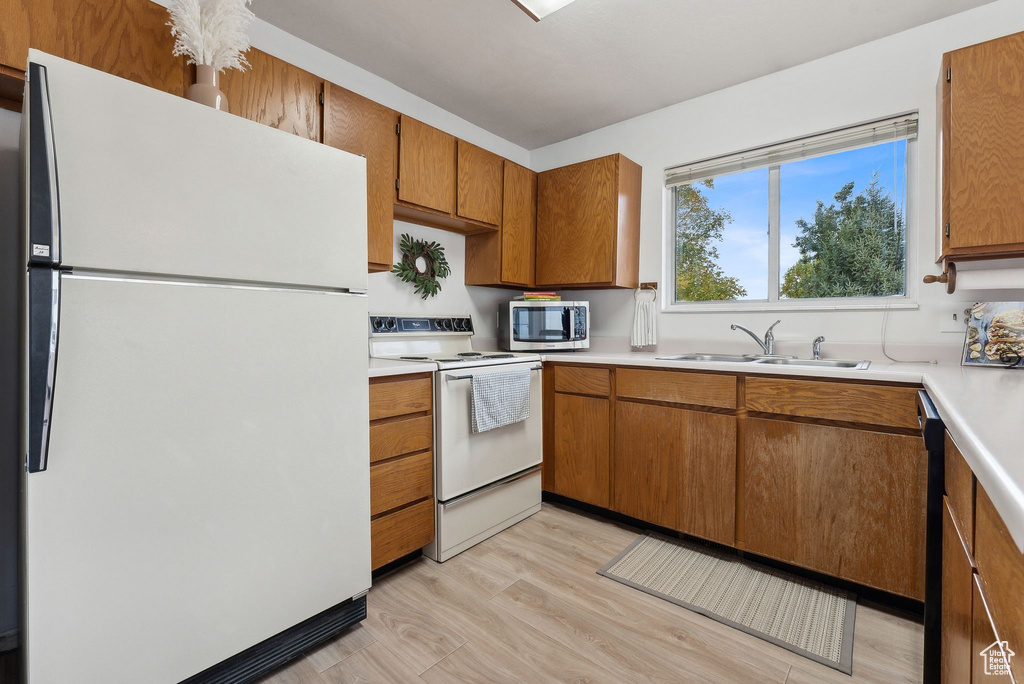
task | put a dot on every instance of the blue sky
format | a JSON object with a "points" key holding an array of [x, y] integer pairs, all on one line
{"points": [[743, 251]]}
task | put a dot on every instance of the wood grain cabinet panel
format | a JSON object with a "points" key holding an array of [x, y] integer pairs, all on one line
{"points": [[400, 481], [507, 256], [960, 491], [479, 187], [275, 93], [848, 503], [582, 448], [396, 437], [983, 150], [1001, 569], [845, 402], [390, 397], [361, 126], [707, 476], [957, 591], [698, 389], [126, 38], [648, 440], [984, 635], [426, 166], [588, 224], [583, 380], [400, 533]]}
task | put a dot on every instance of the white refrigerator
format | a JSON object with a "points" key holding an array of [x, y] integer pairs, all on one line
{"points": [[196, 490]]}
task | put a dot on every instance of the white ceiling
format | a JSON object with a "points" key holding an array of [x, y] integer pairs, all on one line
{"points": [[593, 63]]}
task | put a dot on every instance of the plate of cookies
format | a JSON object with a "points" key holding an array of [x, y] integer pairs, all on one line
{"points": [[995, 334]]}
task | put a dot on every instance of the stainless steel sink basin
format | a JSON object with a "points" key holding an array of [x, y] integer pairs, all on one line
{"points": [[820, 363], [729, 358]]}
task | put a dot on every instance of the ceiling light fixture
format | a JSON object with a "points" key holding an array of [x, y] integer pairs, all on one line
{"points": [[538, 9]]}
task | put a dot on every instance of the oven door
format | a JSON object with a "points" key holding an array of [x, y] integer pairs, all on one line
{"points": [[465, 461], [540, 326]]}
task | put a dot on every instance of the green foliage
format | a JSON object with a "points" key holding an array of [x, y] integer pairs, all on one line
{"points": [[852, 248], [698, 230], [425, 281]]}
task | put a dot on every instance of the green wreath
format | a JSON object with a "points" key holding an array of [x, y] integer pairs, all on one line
{"points": [[425, 281]]}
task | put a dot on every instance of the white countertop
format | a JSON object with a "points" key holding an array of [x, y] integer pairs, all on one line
{"points": [[380, 368], [981, 408]]}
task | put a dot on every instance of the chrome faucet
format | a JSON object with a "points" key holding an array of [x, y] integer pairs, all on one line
{"points": [[768, 346], [816, 347]]}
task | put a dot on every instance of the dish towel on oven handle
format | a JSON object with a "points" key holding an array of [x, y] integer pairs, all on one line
{"points": [[499, 399]]}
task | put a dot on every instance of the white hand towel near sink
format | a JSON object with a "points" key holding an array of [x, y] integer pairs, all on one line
{"points": [[645, 323], [500, 399]]}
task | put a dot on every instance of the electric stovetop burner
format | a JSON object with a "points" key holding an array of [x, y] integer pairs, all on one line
{"points": [[471, 354]]}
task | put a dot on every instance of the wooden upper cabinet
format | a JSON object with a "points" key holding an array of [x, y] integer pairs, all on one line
{"points": [[848, 503], [275, 93], [426, 166], [507, 257], [361, 126], [127, 38], [588, 224], [983, 149], [479, 186]]}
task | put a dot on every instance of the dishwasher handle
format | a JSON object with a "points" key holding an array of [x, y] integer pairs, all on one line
{"points": [[933, 430]]}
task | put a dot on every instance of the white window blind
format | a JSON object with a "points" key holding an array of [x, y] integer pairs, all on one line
{"points": [[885, 130]]}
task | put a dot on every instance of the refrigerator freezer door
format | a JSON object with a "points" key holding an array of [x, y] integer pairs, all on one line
{"points": [[152, 183], [208, 480]]}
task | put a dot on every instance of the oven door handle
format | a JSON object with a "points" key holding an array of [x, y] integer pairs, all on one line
{"points": [[494, 485]]}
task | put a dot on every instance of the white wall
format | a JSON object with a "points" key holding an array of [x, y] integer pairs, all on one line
{"points": [[886, 77]]}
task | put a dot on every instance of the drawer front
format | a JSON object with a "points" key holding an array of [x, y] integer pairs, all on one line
{"points": [[400, 481], [399, 397], [402, 532], [846, 402], [957, 589], [397, 437], [960, 491], [697, 389], [1001, 569], [580, 380]]}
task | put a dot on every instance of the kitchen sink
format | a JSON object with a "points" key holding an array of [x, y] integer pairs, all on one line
{"points": [[820, 363], [735, 358]]}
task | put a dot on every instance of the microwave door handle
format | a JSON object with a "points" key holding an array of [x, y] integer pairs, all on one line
{"points": [[572, 323]]}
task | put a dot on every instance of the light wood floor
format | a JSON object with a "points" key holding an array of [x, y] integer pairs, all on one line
{"points": [[528, 606]]}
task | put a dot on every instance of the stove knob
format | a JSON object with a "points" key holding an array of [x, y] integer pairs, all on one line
{"points": [[378, 324], [391, 324], [463, 324], [446, 325]]}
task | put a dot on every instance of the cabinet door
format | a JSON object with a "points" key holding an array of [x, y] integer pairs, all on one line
{"points": [[275, 93], [984, 642], [127, 38], [426, 166], [518, 225], [361, 126], [479, 184], [707, 476], [577, 220], [582, 448], [985, 163], [848, 503], [957, 586], [648, 440]]}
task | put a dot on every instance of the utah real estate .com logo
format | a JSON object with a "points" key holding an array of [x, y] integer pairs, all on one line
{"points": [[997, 658]]}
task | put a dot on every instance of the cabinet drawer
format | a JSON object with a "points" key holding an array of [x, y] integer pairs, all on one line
{"points": [[846, 402], [579, 380], [698, 389], [397, 437], [400, 481], [402, 532], [960, 491], [1001, 570], [399, 397]]}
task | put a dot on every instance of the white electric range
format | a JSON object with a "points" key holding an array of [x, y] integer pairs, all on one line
{"points": [[483, 482]]}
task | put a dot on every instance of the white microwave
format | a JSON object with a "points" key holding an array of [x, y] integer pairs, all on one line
{"points": [[526, 326]]}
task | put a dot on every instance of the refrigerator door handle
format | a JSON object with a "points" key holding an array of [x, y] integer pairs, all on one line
{"points": [[44, 193], [43, 328]]}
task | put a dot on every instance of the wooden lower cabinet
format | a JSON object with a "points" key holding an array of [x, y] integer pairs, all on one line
{"points": [[582, 446], [401, 533], [848, 503], [957, 592], [984, 642]]}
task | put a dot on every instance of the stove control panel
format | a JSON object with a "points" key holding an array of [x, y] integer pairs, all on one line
{"points": [[420, 325]]}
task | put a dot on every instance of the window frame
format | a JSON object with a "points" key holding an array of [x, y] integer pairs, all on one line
{"points": [[907, 301]]}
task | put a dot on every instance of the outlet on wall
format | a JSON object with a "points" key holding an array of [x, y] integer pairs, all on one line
{"points": [[952, 317]]}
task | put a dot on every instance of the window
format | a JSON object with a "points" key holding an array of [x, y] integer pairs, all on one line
{"points": [[817, 222]]}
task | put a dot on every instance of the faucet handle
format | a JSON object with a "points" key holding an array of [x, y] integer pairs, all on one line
{"points": [[772, 326]]}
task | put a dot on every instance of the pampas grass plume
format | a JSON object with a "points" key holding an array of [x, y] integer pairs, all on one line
{"points": [[211, 32]]}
